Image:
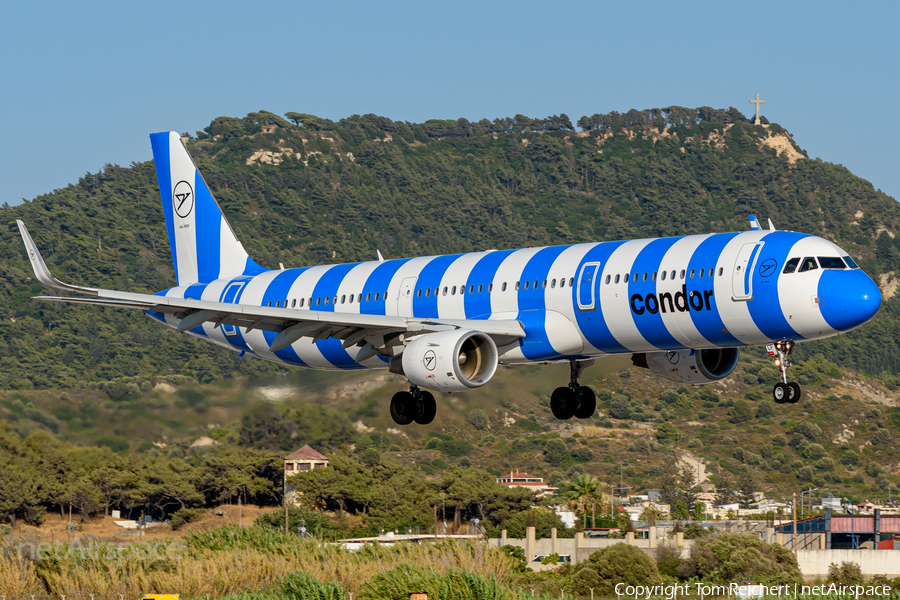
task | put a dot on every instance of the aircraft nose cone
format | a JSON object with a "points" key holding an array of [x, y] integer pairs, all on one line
{"points": [[848, 298]]}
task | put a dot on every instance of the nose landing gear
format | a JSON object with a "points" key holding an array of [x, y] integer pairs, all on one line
{"points": [[414, 405], [784, 392], [575, 400]]}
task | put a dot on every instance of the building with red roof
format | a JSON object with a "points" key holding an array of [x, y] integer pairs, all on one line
{"points": [[518, 479]]}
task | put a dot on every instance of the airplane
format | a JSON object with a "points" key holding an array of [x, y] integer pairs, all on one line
{"points": [[683, 307]]}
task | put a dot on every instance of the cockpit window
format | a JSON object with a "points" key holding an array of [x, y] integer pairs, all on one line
{"points": [[831, 262], [850, 262], [808, 264], [791, 265]]}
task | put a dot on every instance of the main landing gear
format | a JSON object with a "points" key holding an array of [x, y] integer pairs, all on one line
{"points": [[784, 392], [575, 400], [414, 405]]}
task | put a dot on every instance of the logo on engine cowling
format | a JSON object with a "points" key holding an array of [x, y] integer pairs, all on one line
{"points": [[429, 360], [673, 357]]}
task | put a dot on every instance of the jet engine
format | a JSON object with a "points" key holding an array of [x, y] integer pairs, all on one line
{"points": [[689, 366], [448, 361]]}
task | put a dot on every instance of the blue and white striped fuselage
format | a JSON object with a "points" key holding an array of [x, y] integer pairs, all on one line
{"points": [[574, 302]]}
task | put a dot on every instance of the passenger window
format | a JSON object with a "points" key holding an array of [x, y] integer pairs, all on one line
{"points": [[436, 291], [626, 278], [526, 284], [645, 277], [351, 297], [369, 297], [664, 275], [453, 291], [535, 284], [294, 303], [462, 290], [562, 282], [517, 286], [831, 262], [479, 288], [503, 288], [377, 294], [472, 288], [335, 299], [553, 284], [672, 276], [808, 264], [490, 288], [343, 298], [269, 305], [692, 273], [445, 290], [427, 292], [721, 270], [418, 293], [608, 277], [327, 300], [791, 265], [682, 273], [571, 281], [617, 278], [278, 304], [654, 275]]}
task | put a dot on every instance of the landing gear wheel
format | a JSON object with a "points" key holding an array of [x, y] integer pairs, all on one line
{"points": [[794, 392], [426, 408], [402, 406], [781, 393], [587, 402], [562, 403]]}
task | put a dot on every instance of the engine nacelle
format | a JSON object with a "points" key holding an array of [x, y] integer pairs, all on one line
{"points": [[690, 366], [448, 361]]}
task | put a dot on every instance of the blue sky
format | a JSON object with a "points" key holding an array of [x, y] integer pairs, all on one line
{"points": [[85, 83]]}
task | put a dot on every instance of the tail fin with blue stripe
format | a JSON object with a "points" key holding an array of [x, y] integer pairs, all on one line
{"points": [[204, 247]]}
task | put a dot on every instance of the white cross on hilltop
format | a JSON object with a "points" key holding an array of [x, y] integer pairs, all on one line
{"points": [[757, 102]]}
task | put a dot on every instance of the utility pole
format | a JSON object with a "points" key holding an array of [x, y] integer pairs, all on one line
{"points": [[794, 525]]}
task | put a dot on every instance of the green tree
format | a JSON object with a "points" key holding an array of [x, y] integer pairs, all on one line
{"points": [[580, 492]]}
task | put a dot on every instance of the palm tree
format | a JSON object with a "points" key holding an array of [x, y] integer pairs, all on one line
{"points": [[581, 491]]}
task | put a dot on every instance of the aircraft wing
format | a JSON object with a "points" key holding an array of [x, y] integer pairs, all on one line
{"points": [[354, 329]]}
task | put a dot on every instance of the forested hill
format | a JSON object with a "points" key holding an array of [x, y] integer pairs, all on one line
{"points": [[305, 190]]}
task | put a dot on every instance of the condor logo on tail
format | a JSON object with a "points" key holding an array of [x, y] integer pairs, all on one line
{"points": [[681, 301]]}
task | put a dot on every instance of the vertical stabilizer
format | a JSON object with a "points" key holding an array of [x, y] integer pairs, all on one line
{"points": [[204, 247]]}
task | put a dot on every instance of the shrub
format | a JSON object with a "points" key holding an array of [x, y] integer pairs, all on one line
{"points": [[731, 557], [456, 448], [779, 440], [814, 451], [555, 451], [184, 516], [619, 563], [669, 396], [881, 437], [848, 573], [765, 409], [582, 454], [528, 425], [477, 419]]}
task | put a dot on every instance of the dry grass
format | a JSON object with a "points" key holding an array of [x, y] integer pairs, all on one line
{"points": [[230, 560]]}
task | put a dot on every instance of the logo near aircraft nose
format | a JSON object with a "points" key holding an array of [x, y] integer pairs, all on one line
{"points": [[183, 199], [768, 267]]}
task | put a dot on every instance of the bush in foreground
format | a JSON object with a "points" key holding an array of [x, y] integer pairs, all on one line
{"points": [[605, 568]]}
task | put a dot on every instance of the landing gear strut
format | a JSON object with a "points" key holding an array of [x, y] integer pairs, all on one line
{"points": [[784, 392], [414, 405], [575, 400]]}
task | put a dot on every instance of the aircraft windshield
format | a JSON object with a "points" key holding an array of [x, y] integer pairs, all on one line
{"points": [[831, 262], [850, 262]]}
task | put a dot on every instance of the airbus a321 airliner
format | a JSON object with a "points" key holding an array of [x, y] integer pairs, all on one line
{"points": [[683, 307]]}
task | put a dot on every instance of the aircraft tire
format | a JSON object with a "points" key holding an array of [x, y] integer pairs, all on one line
{"points": [[780, 393], [562, 403], [426, 409], [794, 393], [587, 403], [402, 406]]}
